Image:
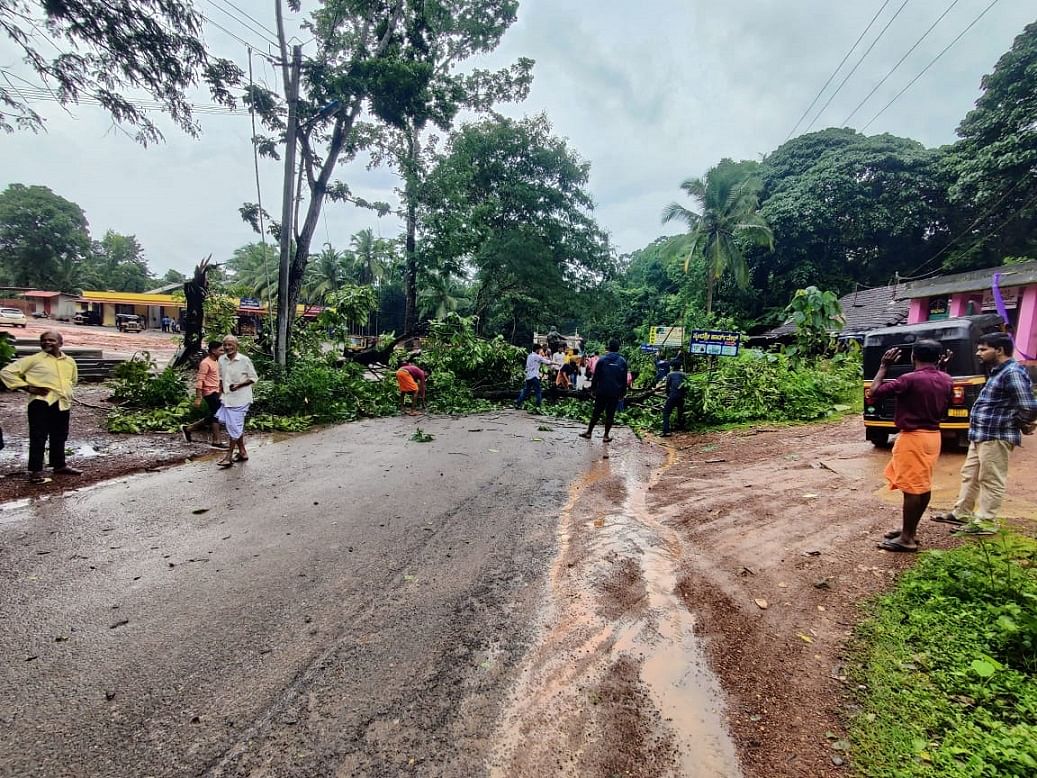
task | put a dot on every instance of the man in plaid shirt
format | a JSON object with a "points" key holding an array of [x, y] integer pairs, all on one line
{"points": [[1004, 411]]}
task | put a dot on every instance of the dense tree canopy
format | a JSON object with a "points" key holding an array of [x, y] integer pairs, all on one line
{"points": [[507, 201], [43, 238], [995, 163]]}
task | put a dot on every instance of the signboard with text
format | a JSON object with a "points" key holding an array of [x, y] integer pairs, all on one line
{"points": [[714, 343], [666, 336]]}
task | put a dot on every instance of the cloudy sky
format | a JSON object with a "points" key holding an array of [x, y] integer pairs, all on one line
{"points": [[649, 92]]}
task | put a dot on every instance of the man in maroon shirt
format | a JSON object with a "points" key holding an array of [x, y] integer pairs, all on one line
{"points": [[922, 399], [420, 377]]}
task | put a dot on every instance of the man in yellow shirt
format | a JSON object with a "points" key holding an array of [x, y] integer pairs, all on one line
{"points": [[48, 378]]}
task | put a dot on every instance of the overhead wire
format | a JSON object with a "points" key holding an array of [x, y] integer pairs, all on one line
{"points": [[219, 26], [217, 5], [900, 61], [968, 230], [838, 67], [932, 62], [857, 65]]}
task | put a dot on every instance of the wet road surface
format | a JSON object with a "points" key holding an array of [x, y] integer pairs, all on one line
{"points": [[346, 603]]}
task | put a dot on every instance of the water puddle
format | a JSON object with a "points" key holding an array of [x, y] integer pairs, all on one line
{"points": [[17, 510], [613, 603]]}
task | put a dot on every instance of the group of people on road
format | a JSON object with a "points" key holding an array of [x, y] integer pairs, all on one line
{"points": [[1004, 411], [608, 377], [224, 384]]}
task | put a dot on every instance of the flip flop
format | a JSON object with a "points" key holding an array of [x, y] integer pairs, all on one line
{"points": [[239, 458], [892, 545], [586, 435], [606, 439], [224, 464], [893, 534], [949, 518]]}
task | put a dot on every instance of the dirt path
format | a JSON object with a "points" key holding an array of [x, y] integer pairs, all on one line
{"points": [[792, 517]]}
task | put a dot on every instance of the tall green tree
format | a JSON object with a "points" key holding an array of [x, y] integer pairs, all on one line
{"points": [[995, 162], [507, 201], [449, 35], [253, 267], [117, 263], [441, 293], [371, 257], [43, 239], [372, 61], [728, 198], [846, 208], [328, 272], [103, 51]]}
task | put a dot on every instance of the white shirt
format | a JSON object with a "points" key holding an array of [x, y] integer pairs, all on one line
{"points": [[533, 363], [234, 371]]}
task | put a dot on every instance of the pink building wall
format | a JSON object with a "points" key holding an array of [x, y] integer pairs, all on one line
{"points": [[1026, 331]]}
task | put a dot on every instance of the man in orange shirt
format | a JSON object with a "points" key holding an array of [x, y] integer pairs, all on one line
{"points": [[207, 390]]}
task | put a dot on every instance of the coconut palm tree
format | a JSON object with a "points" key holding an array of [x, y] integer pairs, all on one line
{"points": [[370, 257], [441, 294], [728, 197], [255, 267], [326, 272]]}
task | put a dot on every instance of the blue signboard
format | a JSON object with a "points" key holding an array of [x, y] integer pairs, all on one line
{"points": [[248, 302], [714, 343], [649, 349]]}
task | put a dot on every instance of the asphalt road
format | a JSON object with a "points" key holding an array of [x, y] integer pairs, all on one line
{"points": [[348, 602]]}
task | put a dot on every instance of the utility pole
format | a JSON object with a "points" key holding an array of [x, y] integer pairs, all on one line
{"points": [[284, 316]]}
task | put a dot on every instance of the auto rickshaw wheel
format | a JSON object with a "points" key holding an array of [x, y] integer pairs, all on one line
{"points": [[878, 438]]}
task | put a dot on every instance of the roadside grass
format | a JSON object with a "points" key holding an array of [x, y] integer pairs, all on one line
{"points": [[946, 667]]}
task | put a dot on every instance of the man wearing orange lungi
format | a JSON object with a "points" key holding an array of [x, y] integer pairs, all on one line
{"points": [[922, 399], [408, 386]]}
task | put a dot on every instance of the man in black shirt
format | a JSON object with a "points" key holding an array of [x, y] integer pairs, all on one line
{"points": [[610, 384], [676, 391]]}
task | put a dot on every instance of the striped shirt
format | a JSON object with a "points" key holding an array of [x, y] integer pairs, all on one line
{"points": [[1004, 404]]}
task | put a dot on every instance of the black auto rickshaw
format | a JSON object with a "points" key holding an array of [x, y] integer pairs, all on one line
{"points": [[958, 335]]}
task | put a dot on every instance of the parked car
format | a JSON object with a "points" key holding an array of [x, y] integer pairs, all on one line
{"points": [[12, 317], [128, 322], [87, 317], [40, 315]]}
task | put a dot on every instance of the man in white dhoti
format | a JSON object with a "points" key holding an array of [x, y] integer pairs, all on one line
{"points": [[237, 375]]}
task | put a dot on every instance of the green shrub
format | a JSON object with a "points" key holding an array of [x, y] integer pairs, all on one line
{"points": [[947, 663], [137, 384]]}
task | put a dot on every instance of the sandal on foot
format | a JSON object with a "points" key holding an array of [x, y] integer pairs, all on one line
{"points": [[949, 518], [892, 545], [893, 534], [586, 435], [224, 463], [238, 458], [606, 439]]}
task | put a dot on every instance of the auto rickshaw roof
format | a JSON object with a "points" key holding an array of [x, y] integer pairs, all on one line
{"points": [[958, 328]]}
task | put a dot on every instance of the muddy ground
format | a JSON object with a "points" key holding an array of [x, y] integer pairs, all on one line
{"points": [[90, 447], [160, 345], [791, 518]]}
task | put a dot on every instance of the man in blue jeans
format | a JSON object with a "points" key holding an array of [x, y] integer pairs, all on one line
{"points": [[535, 359], [609, 387]]}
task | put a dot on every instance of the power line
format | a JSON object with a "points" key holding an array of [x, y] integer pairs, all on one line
{"points": [[854, 68], [900, 62], [931, 63], [244, 23], [837, 69], [250, 16], [37, 94], [969, 229], [238, 38]]}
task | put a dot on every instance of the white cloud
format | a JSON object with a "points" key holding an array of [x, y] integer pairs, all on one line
{"points": [[649, 92]]}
